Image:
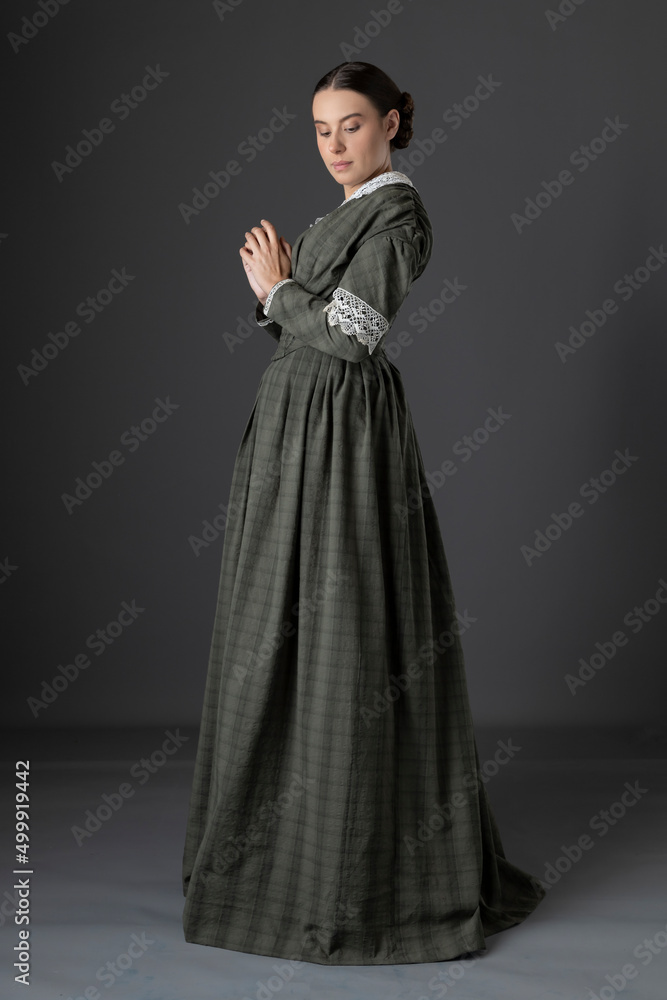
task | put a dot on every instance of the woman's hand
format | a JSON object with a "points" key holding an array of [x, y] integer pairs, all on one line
{"points": [[254, 284], [266, 259]]}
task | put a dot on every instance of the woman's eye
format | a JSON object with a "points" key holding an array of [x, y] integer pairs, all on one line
{"points": [[355, 129]]}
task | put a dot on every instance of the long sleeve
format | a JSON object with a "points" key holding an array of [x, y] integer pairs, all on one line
{"points": [[260, 316], [363, 306]]}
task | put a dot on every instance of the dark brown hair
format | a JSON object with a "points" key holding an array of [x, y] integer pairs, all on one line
{"points": [[380, 90]]}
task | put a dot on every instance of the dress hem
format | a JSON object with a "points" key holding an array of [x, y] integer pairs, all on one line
{"points": [[455, 943]]}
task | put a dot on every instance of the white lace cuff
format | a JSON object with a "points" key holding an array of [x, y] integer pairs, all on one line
{"points": [[262, 322], [277, 285], [354, 316]]}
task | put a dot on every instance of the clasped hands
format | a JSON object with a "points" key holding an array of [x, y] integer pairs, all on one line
{"points": [[266, 258]]}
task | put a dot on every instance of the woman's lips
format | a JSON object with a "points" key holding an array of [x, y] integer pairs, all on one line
{"points": [[341, 166]]}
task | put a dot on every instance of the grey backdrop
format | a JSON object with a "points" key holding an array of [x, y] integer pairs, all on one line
{"points": [[172, 337]]}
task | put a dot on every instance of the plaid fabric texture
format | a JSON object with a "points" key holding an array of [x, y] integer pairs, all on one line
{"points": [[337, 815]]}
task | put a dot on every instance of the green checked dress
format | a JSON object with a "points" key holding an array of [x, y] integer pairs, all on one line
{"points": [[337, 812]]}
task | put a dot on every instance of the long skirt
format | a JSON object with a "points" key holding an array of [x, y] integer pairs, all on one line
{"points": [[337, 812]]}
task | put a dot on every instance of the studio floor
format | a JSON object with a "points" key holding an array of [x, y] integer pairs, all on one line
{"points": [[109, 900]]}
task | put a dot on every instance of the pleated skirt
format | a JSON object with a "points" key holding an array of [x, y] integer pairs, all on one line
{"points": [[337, 812]]}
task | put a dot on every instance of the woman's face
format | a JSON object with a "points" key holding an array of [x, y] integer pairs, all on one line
{"points": [[350, 130]]}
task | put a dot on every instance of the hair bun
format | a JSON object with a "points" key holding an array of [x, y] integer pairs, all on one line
{"points": [[404, 133]]}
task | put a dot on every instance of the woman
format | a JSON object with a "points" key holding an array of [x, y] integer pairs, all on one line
{"points": [[337, 815]]}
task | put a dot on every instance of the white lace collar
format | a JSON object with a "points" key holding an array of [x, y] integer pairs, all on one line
{"points": [[388, 177]]}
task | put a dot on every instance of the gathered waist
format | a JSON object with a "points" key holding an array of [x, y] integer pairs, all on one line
{"points": [[289, 343]]}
